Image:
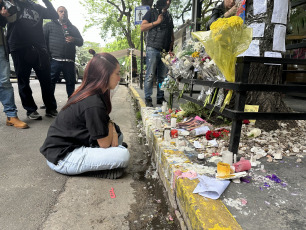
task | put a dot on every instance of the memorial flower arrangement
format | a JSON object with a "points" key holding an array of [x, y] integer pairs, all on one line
{"points": [[228, 38], [214, 134]]}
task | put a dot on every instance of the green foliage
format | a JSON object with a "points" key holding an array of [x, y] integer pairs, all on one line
{"points": [[193, 109], [82, 54], [298, 19], [138, 115], [113, 20]]}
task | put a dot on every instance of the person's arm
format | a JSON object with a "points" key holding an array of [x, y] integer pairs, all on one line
{"points": [[231, 12], [49, 12], [111, 139], [6, 17], [77, 38], [146, 23]]}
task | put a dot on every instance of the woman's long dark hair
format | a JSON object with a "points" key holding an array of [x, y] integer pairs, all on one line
{"points": [[95, 79]]}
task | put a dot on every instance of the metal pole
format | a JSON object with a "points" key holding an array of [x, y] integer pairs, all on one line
{"points": [[141, 61], [131, 77]]}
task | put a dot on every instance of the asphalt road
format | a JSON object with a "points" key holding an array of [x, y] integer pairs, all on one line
{"points": [[32, 196]]}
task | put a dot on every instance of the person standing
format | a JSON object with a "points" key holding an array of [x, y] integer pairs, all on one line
{"points": [[28, 49], [158, 23], [226, 9], [83, 139], [6, 90], [62, 38]]}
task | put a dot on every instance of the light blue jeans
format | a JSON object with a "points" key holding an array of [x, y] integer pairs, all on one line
{"points": [[6, 90], [86, 159], [155, 67]]}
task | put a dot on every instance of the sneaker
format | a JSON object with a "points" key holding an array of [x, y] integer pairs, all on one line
{"points": [[42, 107], [51, 113], [160, 101], [14, 121], [34, 116], [107, 174], [149, 103], [125, 145]]}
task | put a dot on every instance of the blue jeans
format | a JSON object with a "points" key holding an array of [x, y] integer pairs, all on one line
{"points": [[6, 90], [86, 159], [68, 70], [155, 67]]}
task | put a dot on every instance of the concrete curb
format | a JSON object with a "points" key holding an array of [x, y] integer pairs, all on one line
{"points": [[197, 212]]}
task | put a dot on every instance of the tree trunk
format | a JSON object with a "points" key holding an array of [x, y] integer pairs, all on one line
{"points": [[261, 73]]}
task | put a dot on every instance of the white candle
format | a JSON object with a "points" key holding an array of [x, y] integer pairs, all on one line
{"points": [[173, 122], [227, 157], [201, 156], [164, 108], [167, 136]]}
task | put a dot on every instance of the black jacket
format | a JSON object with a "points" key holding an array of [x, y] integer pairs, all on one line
{"points": [[2, 37], [55, 39], [217, 12], [27, 30], [159, 37]]}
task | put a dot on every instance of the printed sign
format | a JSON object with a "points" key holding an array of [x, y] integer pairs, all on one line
{"points": [[140, 11], [251, 108]]}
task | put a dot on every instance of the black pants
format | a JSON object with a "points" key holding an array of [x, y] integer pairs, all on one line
{"points": [[24, 61]]}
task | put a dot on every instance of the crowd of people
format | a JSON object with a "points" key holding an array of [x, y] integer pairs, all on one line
{"points": [[47, 49], [82, 139]]}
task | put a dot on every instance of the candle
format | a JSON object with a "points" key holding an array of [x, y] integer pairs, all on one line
{"points": [[174, 133], [227, 157], [173, 122], [201, 156], [167, 135]]}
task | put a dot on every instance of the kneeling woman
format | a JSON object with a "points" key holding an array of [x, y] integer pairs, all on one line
{"points": [[82, 139]]}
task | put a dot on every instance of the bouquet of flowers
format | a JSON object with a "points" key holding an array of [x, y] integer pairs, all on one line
{"points": [[228, 38]]}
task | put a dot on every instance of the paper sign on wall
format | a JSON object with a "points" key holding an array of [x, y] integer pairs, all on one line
{"points": [[259, 7]]}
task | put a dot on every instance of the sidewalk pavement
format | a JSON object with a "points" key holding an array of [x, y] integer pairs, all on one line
{"points": [[260, 203]]}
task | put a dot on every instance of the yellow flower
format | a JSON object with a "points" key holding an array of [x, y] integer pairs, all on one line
{"points": [[195, 54]]}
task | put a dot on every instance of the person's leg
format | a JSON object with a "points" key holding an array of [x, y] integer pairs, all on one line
{"points": [[151, 61], [86, 159], [56, 68], [6, 90], [69, 75], [23, 71], [42, 71], [162, 71]]}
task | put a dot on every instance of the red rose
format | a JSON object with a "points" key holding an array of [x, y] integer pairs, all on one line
{"points": [[208, 135], [216, 134], [246, 122]]}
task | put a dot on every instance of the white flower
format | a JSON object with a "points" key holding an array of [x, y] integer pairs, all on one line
{"points": [[254, 133]]}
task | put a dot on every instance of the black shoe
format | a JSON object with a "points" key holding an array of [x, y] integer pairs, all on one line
{"points": [[124, 144], [51, 113], [149, 103], [42, 107], [107, 174], [34, 116], [160, 101]]}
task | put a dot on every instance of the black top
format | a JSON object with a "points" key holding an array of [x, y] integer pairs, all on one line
{"points": [[55, 39], [80, 124], [160, 36], [217, 12], [27, 30]]}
